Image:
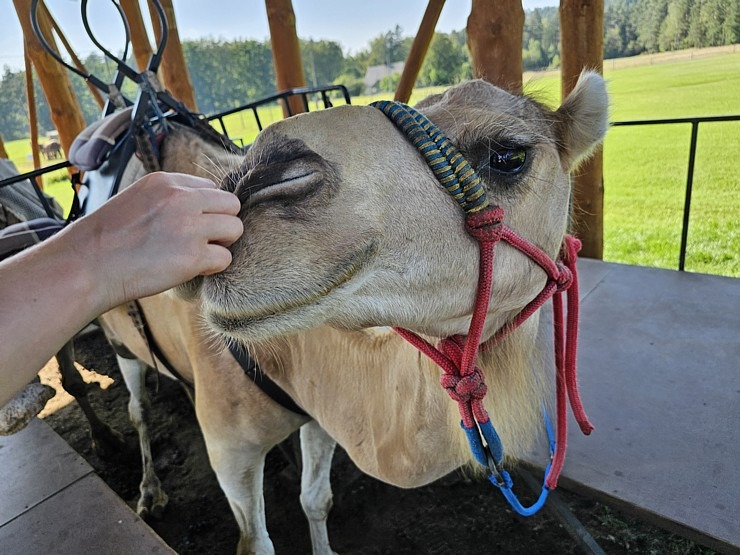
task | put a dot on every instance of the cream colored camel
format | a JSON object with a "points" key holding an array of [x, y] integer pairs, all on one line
{"points": [[347, 229]]}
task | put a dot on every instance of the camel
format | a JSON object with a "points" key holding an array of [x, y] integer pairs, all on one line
{"points": [[51, 150], [348, 233]]}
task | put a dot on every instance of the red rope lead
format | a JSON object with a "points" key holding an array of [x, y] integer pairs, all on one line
{"points": [[565, 359], [457, 355], [572, 246]]}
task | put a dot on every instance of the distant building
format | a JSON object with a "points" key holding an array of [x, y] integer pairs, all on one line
{"points": [[375, 74]]}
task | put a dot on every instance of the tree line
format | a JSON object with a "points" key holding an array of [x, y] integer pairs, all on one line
{"points": [[226, 74]]}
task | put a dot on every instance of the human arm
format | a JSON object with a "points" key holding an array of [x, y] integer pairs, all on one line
{"points": [[161, 231]]}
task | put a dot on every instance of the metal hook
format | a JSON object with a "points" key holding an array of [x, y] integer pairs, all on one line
{"points": [[122, 66], [105, 87], [164, 34]]}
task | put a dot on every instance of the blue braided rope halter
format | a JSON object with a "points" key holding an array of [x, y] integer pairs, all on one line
{"points": [[450, 167], [459, 178]]}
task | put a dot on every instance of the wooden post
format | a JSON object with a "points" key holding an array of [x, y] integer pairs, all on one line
{"points": [[582, 46], [3, 152], [63, 105], [286, 52], [174, 70], [495, 32], [32, 119], [139, 38], [75, 60], [418, 50]]}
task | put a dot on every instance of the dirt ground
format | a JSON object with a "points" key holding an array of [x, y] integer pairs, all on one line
{"points": [[452, 516]]}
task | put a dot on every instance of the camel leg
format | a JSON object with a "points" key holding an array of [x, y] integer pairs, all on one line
{"points": [[106, 442], [153, 499], [240, 469], [317, 450]]}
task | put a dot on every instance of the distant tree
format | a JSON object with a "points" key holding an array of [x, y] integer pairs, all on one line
{"points": [[731, 25], [712, 16], [323, 61], [652, 15], [388, 48], [228, 74], [356, 65], [541, 38], [534, 26], [443, 63], [355, 85], [674, 29], [620, 30], [13, 112], [533, 57], [389, 82]]}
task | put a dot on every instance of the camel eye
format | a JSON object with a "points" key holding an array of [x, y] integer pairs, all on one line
{"points": [[507, 160]]}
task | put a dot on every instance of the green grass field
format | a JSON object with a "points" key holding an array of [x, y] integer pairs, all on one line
{"points": [[645, 167]]}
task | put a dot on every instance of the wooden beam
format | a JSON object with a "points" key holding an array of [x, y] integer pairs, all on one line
{"points": [[139, 38], [495, 32], [286, 52], [418, 51], [63, 105], [581, 47], [3, 152], [174, 70], [32, 119]]}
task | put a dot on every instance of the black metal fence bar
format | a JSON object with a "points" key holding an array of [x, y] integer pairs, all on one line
{"points": [[35, 173], [282, 97], [690, 174]]}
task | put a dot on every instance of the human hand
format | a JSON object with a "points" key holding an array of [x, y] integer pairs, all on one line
{"points": [[163, 230]]}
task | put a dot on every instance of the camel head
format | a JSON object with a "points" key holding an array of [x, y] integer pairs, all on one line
{"points": [[346, 225]]}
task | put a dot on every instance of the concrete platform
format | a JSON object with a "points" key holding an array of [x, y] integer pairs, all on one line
{"points": [[659, 367], [51, 501]]}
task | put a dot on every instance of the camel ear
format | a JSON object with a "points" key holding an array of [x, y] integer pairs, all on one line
{"points": [[583, 119]]}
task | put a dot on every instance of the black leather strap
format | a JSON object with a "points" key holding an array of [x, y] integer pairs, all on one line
{"points": [[262, 380]]}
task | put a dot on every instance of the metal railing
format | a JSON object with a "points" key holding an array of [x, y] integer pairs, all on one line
{"points": [[302, 93], [690, 176], [283, 96]]}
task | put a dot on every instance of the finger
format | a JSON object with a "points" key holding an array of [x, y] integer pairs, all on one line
{"points": [[222, 229], [190, 181], [216, 259], [216, 201]]}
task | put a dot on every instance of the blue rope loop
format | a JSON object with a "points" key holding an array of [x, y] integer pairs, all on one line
{"points": [[450, 167], [491, 454]]}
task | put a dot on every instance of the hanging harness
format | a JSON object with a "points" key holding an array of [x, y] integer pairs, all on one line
{"points": [[457, 355]]}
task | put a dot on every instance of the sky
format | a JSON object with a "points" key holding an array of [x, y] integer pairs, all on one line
{"points": [[353, 24]]}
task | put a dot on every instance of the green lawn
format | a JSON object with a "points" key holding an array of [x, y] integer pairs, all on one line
{"points": [[644, 167]]}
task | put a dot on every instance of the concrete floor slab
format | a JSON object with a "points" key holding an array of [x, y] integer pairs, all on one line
{"points": [[659, 365], [86, 518], [36, 463]]}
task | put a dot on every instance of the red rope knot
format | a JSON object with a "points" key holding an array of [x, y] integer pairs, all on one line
{"points": [[485, 225], [564, 279], [570, 249], [468, 391], [465, 389]]}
